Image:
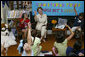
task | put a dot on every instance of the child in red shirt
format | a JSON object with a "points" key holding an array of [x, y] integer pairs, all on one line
{"points": [[24, 23]]}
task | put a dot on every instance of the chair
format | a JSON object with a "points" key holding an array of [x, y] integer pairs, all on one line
{"points": [[19, 31]]}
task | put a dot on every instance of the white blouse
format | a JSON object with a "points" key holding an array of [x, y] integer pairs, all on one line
{"points": [[41, 20]]}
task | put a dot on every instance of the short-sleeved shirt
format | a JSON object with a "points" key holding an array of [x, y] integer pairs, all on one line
{"points": [[35, 46], [24, 24], [61, 47]]}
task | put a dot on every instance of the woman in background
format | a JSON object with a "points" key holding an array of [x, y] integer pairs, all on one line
{"points": [[41, 20]]}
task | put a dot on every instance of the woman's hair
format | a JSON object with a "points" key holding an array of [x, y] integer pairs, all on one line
{"points": [[60, 37], [39, 8], [23, 15], [77, 46]]}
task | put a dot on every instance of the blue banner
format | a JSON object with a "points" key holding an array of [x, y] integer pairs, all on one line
{"points": [[58, 8]]}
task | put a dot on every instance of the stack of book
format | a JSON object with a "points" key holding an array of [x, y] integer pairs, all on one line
{"points": [[16, 13]]}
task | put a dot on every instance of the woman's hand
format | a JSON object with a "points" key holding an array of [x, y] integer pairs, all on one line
{"points": [[35, 17]]}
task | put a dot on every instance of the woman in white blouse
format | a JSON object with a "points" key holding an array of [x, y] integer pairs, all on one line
{"points": [[41, 20]]}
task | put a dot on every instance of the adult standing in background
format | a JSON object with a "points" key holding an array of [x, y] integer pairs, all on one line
{"points": [[41, 20]]}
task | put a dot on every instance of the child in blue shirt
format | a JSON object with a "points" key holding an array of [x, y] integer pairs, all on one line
{"points": [[79, 21]]}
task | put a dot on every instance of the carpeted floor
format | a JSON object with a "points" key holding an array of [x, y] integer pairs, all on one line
{"points": [[47, 46]]}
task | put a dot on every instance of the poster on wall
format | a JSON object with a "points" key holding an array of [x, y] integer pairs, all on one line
{"points": [[58, 8]]}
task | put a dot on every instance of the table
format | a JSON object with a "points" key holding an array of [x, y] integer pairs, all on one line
{"points": [[57, 29]]}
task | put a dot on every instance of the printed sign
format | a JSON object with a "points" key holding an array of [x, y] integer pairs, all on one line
{"points": [[58, 8]]}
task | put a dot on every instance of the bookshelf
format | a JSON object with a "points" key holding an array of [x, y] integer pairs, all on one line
{"points": [[20, 5], [17, 8]]}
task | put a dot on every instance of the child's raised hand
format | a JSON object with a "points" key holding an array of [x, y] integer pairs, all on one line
{"points": [[29, 25], [74, 6], [75, 10], [66, 25]]}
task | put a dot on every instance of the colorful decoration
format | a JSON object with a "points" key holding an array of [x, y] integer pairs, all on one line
{"points": [[53, 22], [58, 8]]}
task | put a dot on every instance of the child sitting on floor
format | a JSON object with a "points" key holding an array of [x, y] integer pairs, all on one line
{"points": [[35, 47], [31, 47], [23, 44], [61, 43]]}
